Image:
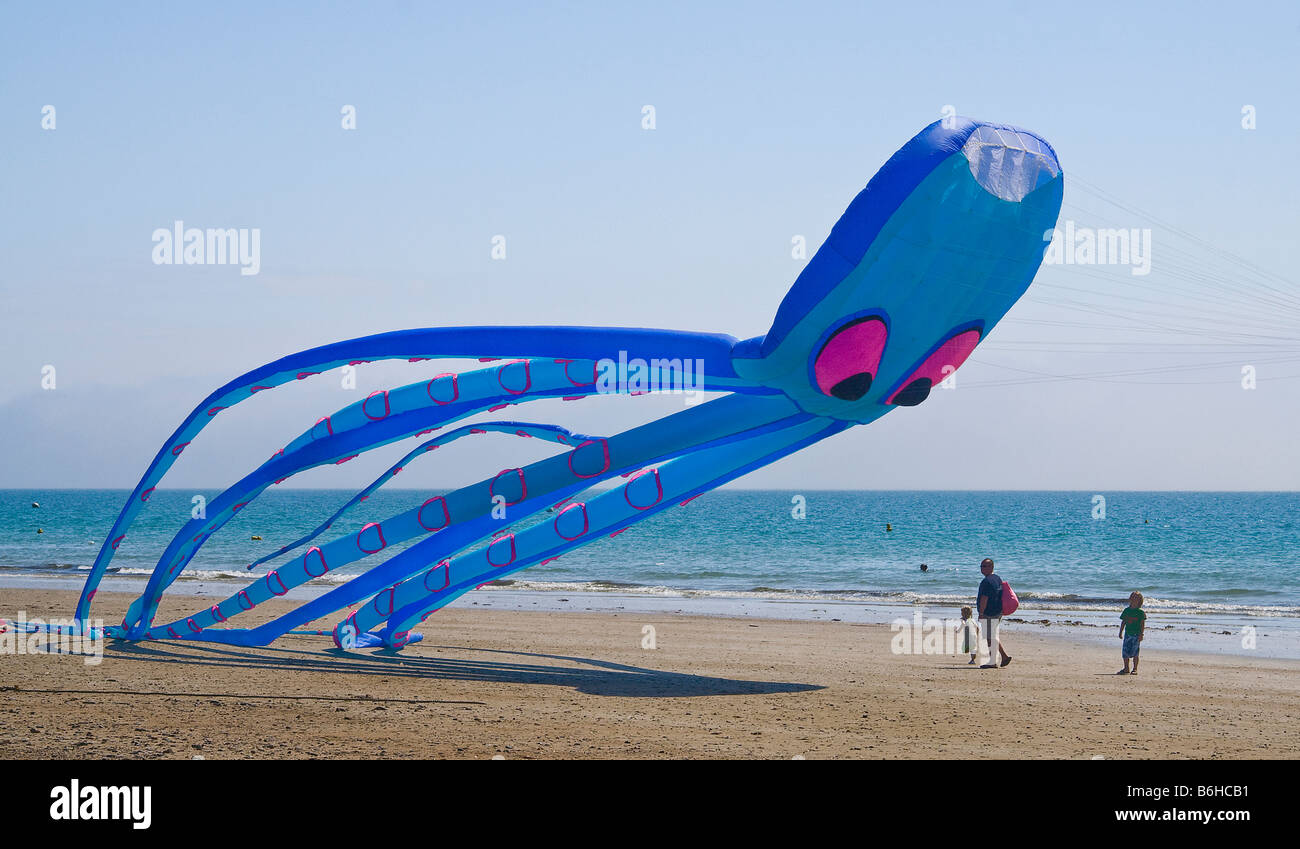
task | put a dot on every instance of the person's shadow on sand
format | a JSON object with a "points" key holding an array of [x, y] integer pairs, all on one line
{"points": [[596, 677]]}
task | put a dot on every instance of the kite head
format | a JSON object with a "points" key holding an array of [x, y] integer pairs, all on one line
{"points": [[926, 259]]}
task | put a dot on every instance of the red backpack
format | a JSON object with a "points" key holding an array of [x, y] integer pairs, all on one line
{"points": [[1009, 601]]}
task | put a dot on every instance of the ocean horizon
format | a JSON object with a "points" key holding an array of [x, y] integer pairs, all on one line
{"points": [[1218, 559]]}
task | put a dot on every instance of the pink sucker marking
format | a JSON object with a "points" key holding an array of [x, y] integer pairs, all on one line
{"points": [[446, 514], [659, 489], [604, 447], [303, 375], [445, 566], [144, 496], [382, 393], [320, 556], [378, 530], [523, 485], [577, 505], [528, 377], [178, 448], [455, 389], [583, 382], [256, 389], [274, 574], [212, 411], [496, 543]]}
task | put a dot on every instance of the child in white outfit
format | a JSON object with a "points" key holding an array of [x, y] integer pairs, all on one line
{"points": [[970, 634]]}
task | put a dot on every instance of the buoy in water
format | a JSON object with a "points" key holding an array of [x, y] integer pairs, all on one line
{"points": [[888, 527], [36, 504], [259, 539], [925, 568], [40, 531]]}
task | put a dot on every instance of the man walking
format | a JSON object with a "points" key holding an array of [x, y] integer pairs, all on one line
{"points": [[990, 608]]}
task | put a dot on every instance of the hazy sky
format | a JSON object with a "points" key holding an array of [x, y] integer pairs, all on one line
{"points": [[477, 120]]}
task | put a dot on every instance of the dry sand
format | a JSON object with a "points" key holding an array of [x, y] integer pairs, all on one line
{"points": [[580, 685]]}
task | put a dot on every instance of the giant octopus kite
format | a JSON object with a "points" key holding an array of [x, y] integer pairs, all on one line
{"points": [[922, 265]]}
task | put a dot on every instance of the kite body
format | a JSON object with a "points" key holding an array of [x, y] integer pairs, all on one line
{"points": [[921, 266]]}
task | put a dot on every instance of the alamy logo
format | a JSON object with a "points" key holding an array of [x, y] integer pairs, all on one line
{"points": [[183, 245], [637, 376], [93, 802], [928, 636], [57, 636], [1073, 245]]}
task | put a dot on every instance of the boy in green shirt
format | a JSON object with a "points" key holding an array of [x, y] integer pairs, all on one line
{"points": [[1132, 628]]}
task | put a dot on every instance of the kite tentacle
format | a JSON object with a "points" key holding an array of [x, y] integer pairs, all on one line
{"points": [[359, 428], [525, 491], [571, 343], [608, 513]]}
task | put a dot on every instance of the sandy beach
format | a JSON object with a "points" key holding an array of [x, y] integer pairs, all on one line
{"points": [[580, 685]]}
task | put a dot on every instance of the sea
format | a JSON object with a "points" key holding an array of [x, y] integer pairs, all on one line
{"points": [[1220, 571]]}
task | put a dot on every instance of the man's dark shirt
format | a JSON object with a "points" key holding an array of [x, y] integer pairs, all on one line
{"points": [[991, 588]]}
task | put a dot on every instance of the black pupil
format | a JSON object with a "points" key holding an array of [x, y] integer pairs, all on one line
{"points": [[852, 388], [914, 393]]}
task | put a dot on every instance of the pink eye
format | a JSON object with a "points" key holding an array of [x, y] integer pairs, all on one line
{"points": [[935, 368], [847, 363]]}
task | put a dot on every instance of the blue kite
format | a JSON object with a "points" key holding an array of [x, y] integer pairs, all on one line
{"points": [[921, 266]]}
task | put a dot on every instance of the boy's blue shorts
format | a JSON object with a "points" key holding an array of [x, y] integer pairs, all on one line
{"points": [[1131, 645]]}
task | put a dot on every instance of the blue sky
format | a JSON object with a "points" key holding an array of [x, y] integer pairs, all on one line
{"points": [[475, 120]]}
